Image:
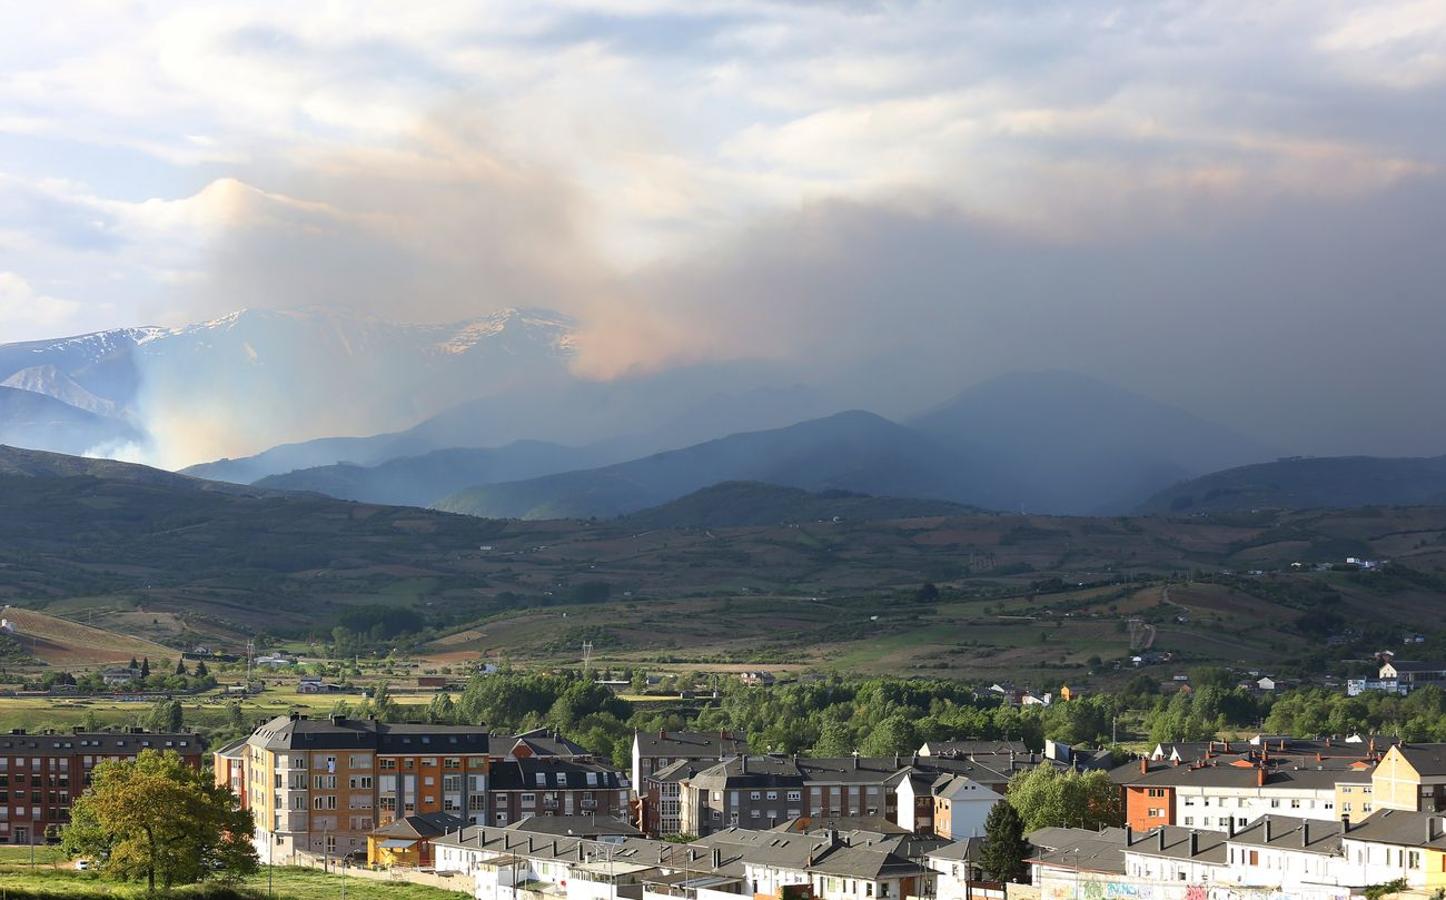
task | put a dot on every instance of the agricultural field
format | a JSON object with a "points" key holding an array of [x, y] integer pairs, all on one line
{"points": [[66, 644]]}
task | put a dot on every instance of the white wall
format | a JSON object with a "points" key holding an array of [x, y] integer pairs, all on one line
{"points": [[1209, 808]]}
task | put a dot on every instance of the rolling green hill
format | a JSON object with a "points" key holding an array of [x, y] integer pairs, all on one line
{"points": [[1309, 483], [735, 503], [178, 560]]}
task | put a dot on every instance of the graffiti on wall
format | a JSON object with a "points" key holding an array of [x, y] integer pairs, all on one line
{"points": [[1139, 889]]}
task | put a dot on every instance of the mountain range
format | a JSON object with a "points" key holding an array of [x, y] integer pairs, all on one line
{"points": [[257, 376], [1053, 441], [492, 421]]}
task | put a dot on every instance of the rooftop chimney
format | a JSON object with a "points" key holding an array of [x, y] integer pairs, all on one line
{"points": [[1345, 823], [717, 859], [1160, 839], [338, 720], [1230, 826], [1194, 843], [1260, 777], [1144, 766], [743, 761], [1129, 836], [1265, 823], [1430, 829]]}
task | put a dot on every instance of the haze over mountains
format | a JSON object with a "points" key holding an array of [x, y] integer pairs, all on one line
{"points": [[498, 425]]}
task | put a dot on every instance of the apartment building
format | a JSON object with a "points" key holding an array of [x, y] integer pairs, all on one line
{"points": [[228, 766], [321, 785], [653, 751], [660, 798], [763, 791], [544, 786], [41, 773], [908, 791]]}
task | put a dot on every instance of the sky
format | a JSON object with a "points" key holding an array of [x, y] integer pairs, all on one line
{"points": [[1233, 206]]}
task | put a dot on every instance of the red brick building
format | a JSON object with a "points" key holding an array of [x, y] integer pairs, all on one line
{"points": [[42, 773]]}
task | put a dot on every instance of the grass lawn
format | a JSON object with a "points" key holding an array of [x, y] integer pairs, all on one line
{"points": [[288, 884]]}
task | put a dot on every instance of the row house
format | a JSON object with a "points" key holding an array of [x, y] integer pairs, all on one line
{"points": [[42, 773], [1270, 857], [1217, 793], [729, 864]]}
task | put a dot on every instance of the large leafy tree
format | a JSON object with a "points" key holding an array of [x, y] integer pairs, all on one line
{"points": [[158, 819], [1005, 849], [1045, 797]]}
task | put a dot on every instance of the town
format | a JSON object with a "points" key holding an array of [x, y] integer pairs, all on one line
{"points": [[535, 815]]}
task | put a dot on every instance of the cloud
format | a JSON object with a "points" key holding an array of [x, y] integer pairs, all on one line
{"points": [[886, 195], [28, 314]]}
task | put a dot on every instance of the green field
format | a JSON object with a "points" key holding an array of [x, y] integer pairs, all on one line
{"points": [[205, 712], [54, 882]]}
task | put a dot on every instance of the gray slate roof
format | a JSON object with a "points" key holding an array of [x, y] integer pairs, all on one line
{"points": [[689, 744], [337, 733], [1426, 759], [1400, 828], [1291, 833], [109, 743]]}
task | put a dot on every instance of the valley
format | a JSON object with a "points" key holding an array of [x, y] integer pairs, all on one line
{"points": [[177, 561]]}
